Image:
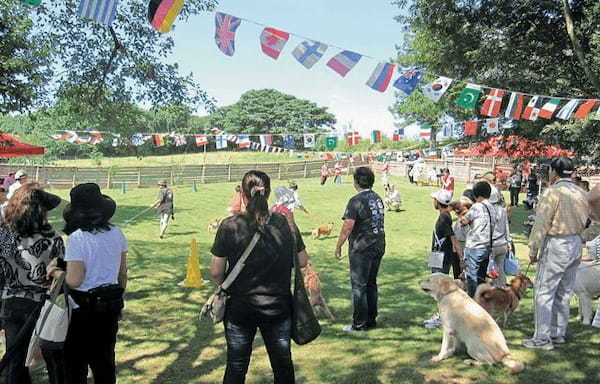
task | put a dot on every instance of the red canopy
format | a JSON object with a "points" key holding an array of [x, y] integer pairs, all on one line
{"points": [[10, 147], [515, 147]]}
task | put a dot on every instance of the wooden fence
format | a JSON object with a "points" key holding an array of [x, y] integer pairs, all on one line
{"points": [[67, 177]]}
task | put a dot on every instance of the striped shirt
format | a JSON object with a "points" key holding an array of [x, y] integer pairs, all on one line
{"points": [[563, 211]]}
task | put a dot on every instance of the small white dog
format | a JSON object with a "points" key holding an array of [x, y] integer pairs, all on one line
{"points": [[463, 320]]}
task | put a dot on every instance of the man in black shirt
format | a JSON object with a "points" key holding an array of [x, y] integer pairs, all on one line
{"points": [[164, 202], [363, 227]]}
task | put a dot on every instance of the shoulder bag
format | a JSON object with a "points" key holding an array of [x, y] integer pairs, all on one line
{"points": [[493, 271], [305, 326], [215, 306], [436, 257]]}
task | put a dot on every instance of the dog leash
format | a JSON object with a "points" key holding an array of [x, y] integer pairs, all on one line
{"points": [[131, 220]]}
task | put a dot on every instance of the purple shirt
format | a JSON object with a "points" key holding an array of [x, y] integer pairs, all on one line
{"points": [[8, 181]]}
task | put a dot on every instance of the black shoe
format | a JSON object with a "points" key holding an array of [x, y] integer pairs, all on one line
{"points": [[371, 325]]}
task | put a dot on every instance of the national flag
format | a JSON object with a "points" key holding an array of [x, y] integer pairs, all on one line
{"points": [[343, 62], [288, 141], [508, 124], [597, 116], [225, 27], [469, 96], [353, 138], [232, 138], [309, 140], [221, 141], [584, 110], [137, 139], [243, 141], [470, 128], [515, 106], [532, 110], [96, 137], [266, 139], [32, 2], [425, 131], [409, 80], [549, 108], [179, 140], [158, 140], [492, 126], [84, 138], [265, 148], [272, 41], [381, 76], [100, 11], [492, 103], [435, 90], [309, 52], [566, 112], [376, 136], [73, 137], [201, 140], [398, 134], [331, 142]]}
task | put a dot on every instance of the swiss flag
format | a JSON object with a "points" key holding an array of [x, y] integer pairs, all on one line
{"points": [[471, 128], [353, 138]]}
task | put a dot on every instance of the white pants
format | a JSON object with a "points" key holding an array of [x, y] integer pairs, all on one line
{"points": [[164, 221], [554, 283]]}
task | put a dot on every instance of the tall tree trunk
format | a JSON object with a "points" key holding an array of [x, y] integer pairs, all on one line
{"points": [[577, 46]]}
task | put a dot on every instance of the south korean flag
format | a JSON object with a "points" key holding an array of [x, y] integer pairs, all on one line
{"points": [[309, 140]]}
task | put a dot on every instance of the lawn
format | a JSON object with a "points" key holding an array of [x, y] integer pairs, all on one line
{"points": [[161, 339]]}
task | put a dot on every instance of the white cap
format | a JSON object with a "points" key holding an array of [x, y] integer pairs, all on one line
{"points": [[442, 196], [20, 173]]}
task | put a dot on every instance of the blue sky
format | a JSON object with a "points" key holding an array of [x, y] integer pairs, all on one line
{"points": [[363, 27]]}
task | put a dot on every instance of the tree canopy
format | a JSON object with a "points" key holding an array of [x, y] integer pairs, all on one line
{"points": [[540, 47], [270, 111]]}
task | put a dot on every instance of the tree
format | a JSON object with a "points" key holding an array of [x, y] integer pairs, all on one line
{"points": [[549, 47], [122, 63], [270, 111]]}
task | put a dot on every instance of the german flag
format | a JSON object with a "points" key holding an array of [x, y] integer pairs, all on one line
{"points": [[162, 13], [158, 140]]}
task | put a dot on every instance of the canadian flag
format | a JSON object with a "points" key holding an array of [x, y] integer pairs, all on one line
{"points": [[201, 140], [353, 138]]}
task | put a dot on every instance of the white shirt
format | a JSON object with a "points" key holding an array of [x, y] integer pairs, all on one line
{"points": [[100, 253]]}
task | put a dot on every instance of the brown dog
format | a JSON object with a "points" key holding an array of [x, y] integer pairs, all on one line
{"points": [[214, 224], [313, 288], [505, 300], [324, 230]]}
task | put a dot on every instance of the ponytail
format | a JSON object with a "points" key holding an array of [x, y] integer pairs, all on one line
{"points": [[256, 186]]}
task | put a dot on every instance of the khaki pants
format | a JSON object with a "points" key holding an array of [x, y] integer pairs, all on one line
{"points": [[164, 222]]}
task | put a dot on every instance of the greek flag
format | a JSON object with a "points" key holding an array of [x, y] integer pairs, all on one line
{"points": [[101, 11]]}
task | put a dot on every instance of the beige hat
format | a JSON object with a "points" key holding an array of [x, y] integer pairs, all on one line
{"points": [[20, 174], [594, 202]]}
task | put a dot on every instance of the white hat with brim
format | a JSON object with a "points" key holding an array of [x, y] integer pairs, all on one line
{"points": [[442, 196], [20, 174]]}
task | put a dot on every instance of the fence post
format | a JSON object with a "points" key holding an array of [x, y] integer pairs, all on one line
{"points": [[203, 173], [468, 171], [74, 177], [279, 171], [172, 177], [37, 173], [229, 172], [139, 177], [305, 170], [108, 178]]}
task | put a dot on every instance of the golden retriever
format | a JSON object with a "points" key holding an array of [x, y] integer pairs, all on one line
{"points": [[463, 320], [324, 230]]}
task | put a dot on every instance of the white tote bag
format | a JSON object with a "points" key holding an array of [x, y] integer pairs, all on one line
{"points": [[436, 257]]}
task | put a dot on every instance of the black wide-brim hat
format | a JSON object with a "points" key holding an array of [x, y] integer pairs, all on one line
{"points": [[47, 200], [88, 201]]}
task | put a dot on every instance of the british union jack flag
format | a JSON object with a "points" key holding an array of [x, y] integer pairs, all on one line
{"points": [[225, 32]]}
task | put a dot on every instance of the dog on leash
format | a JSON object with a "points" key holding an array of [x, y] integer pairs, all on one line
{"points": [[504, 300], [213, 225], [463, 320], [313, 288], [324, 230]]}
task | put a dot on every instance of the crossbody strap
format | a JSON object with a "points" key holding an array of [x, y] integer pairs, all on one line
{"points": [[237, 268], [438, 243], [491, 226]]}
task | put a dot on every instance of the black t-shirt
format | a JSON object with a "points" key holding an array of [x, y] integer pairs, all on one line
{"points": [[263, 289], [165, 195], [532, 186], [443, 230], [366, 209]]}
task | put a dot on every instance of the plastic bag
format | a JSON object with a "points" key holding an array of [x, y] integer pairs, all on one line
{"points": [[493, 272], [511, 264]]}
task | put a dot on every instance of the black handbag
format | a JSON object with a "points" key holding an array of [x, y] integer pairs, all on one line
{"points": [[305, 326]]}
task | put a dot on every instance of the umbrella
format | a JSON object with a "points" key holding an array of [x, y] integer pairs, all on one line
{"points": [[11, 147]]}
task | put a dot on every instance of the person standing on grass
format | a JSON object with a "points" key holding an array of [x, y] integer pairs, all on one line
{"points": [[385, 173], [364, 229], [502, 240], [480, 218], [324, 173], [516, 181], [260, 297], [96, 274], [8, 181], [447, 181], [164, 202], [28, 244], [555, 242], [337, 173]]}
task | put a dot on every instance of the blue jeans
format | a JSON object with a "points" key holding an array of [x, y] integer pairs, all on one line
{"points": [[477, 262], [276, 335], [364, 266]]}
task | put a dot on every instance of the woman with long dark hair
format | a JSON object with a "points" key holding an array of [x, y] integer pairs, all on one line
{"points": [[260, 297], [96, 257], [28, 244]]}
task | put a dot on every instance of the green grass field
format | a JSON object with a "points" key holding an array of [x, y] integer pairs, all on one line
{"points": [[161, 339]]}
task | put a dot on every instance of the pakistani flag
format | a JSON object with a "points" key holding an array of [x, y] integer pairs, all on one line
{"points": [[469, 96], [566, 112], [331, 142], [33, 2]]}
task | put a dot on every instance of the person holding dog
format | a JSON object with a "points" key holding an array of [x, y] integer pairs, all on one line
{"points": [[555, 243], [324, 173], [260, 296], [364, 229], [164, 202]]}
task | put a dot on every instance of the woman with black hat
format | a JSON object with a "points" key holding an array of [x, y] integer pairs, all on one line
{"points": [[96, 257], [27, 245]]}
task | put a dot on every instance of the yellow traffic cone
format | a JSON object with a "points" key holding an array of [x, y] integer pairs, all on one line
{"points": [[193, 279]]}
